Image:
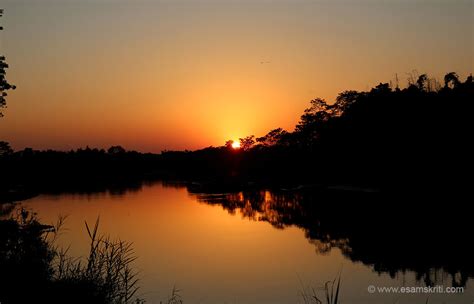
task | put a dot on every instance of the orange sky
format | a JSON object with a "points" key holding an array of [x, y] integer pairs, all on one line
{"points": [[154, 75]]}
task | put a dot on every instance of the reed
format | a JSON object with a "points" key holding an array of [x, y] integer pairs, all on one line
{"points": [[36, 270], [175, 297], [330, 290], [106, 271]]}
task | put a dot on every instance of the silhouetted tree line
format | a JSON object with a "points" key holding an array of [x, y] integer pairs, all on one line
{"points": [[81, 170], [387, 138], [416, 137]]}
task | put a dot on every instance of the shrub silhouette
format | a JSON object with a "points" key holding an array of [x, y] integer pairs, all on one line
{"points": [[34, 269]]}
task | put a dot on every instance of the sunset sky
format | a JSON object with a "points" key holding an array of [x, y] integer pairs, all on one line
{"points": [[186, 74]]}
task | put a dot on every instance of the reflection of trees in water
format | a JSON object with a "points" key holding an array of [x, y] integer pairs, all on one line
{"points": [[278, 210], [433, 245]]}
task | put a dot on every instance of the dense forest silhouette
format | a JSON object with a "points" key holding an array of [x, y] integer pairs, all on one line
{"points": [[386, 139]]}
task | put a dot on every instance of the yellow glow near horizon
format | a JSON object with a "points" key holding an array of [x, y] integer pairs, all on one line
{"points": [[235, 144], [191, 74]]}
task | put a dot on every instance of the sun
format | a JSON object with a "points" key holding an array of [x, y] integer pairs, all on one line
{"points": [[235, 144]]}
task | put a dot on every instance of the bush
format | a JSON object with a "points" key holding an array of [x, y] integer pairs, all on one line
{"points": [[34, 269]]}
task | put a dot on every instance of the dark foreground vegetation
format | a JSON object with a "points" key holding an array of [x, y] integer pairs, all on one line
{"points": [[34, 270], [392, 139]]}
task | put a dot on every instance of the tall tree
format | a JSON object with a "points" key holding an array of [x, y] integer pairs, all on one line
{"points": [[4, 84]]}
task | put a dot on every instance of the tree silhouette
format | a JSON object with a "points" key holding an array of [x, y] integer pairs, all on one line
{"points": [[247, 142], [5, 148], [228, 144], [421, 82], [272, 138], [345, 100], [469, 79], [4, 84], [314, 119], [116, 150], [451, 80]]}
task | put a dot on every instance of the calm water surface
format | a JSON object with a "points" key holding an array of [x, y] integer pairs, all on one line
{"points": [[217, 255]]}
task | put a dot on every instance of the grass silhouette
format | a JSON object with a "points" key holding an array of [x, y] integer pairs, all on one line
{"points": [[35, 269]]}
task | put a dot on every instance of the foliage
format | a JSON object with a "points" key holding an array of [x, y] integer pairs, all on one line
{"points": [[5, 149], [247, 143], [116, 150], [4, 84], [272, 138], [34, 269]]}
